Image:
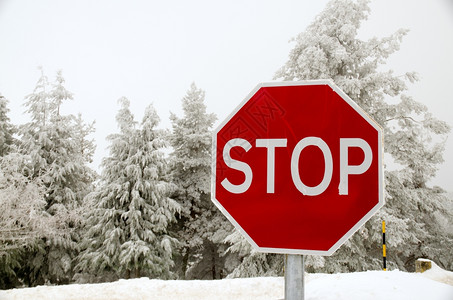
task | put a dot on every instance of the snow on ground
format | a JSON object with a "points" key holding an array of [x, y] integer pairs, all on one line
{"points": [[439, 274], [390, 285]]}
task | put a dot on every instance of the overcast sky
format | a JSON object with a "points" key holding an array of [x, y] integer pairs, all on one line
{"points": [[151, 51]]}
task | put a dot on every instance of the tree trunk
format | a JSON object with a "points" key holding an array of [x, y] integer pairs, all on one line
{"points": [[185, 261], [213, 262]]}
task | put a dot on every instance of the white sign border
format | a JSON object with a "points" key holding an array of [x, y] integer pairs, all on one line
{"points": [[359, 224]]}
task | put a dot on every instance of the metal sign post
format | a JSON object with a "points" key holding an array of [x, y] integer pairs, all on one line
{"points": [[294, 277]]}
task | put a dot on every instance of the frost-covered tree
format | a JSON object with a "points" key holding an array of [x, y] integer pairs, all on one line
{"points": [[127, 228], [81, 132], [51, 140], [23, 221], [330, 49], [252, 263], [6, 128], [201, 227]]}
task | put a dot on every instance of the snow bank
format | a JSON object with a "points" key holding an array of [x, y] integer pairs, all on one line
{"points": [[438, 274], [144, 288], [390, 285]]}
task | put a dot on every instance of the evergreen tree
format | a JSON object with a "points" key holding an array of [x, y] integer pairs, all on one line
{"points": [[23, 221], [252, 263], [82, 130], [330, 49], [6, 128], [201, 227], [127, 234], [50, 139]]}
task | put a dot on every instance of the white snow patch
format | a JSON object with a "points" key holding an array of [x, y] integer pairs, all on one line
{"points": [[424, 259], [438, 274], [390, 285], [144, 288]]}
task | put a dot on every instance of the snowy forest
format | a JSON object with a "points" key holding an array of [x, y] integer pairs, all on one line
{"points": [[149, 211]]}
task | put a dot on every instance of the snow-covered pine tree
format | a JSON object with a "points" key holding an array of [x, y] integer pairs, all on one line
{"points": [[330, 49], [23, 220], [252, 263], [6, 128], [20, 203], [201, 227], [50, 140], [127, 228], [82, 130]]}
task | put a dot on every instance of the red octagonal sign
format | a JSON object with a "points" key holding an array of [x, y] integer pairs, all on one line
{"points": [[298, 167]]}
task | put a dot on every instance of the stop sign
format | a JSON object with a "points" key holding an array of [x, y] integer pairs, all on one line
{"points": [[298, 167]]}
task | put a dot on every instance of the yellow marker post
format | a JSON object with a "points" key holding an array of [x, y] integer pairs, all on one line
{"points": [[384, 250]]}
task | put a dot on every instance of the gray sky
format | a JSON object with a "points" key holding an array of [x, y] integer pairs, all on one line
{"points": [[151, 51]]}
